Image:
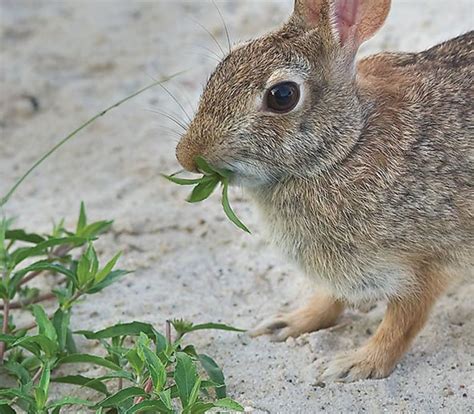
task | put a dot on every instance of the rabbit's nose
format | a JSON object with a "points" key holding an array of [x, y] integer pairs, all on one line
{"points": [[186, 153]]}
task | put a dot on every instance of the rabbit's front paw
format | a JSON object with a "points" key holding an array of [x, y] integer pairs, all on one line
{"points": [[357, 365], [280, 327], [320, 312]]}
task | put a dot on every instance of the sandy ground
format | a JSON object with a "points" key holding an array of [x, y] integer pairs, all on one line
{"points": [[78, 56]]}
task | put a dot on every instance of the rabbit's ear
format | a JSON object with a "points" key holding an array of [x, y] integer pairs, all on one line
{"points": [[352, 21]]}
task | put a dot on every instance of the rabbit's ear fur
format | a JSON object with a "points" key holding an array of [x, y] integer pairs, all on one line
{"points": [[352, 22]]}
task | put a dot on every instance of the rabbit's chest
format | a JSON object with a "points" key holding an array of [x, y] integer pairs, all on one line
{"points": [[335, 262]]}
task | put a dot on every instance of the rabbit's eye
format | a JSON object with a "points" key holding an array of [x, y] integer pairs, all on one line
{"points": [[283, 97]]}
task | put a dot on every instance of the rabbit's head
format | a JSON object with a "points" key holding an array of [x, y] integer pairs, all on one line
{"points": [[286, 103]]}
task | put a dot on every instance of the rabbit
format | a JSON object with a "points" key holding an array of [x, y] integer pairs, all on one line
{"points": [[362, 170]]}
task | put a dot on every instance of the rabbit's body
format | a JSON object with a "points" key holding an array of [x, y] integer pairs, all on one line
{"points": [[363, 172], [403, 194]]}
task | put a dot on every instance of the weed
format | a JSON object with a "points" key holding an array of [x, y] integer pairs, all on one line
{"points": [[205, 186], [145, 370]]}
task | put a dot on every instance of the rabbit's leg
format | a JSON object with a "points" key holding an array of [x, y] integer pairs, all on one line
{"points": [[403, 319], [319, 313]]}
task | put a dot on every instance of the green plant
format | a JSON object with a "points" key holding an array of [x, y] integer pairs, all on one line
{"points": [[146, 371], [205, 186]]}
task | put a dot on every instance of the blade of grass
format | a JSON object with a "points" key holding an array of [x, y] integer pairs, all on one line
{"points": [[7, 197], [228, 209], [204, 189], [182, 181]]}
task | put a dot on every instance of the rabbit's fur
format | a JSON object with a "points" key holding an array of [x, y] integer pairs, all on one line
{"points": [[367, 183]]}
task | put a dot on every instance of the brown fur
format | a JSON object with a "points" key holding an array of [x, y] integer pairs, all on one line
{"points": [[367, 185], [320, 312]]}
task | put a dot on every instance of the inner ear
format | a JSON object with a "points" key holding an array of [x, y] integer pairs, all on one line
{"points": [[351, 21], [346, 18]]}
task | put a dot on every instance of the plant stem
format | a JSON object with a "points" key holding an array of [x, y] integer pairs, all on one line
{"points": [[31, 276], [147, 388], [5, 199], [32, 325], [58, 253], [40, 298], [33, 380], [168, 331], [6, 314]]}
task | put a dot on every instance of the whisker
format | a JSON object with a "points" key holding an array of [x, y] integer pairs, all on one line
{"points": [[173, 97], [168, 130], [225, 25], [210, 34], [217, 57], [188, 101], [207, 56], [176, 100], [171, 118]]}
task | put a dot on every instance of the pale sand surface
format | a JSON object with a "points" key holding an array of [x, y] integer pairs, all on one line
{"points": [[79, 56]]}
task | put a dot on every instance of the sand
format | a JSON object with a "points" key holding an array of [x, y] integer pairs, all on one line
{"points": [[76, 58]]}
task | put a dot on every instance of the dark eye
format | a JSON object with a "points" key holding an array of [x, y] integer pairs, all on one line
{"points": [[283, 97]]}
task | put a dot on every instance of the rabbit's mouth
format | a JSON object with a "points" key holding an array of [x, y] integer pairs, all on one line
{"points": [[244, 172]]}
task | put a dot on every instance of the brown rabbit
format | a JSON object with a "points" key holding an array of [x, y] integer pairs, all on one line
{"points": [[363, 171]]}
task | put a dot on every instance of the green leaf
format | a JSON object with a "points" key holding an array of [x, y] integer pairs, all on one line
{"points": [[228, 209], [83, 270], [229, 404], [194, 393], [16, 393], [161, 343], [165, 396], [121, 396], [42, 265], [92, 383], [201, 407], [116, 374], [88, 359], [154, 406], [204, 189], [70, 344], [45, 326], [8, 339], [45, 265], [61, 321], [38, 343], [41, 391], [191, 351], [41, 248], [182, 181], [111, 278], [121, 329], [214, 326], [135, 361], [215, 374], [82, 221], [4, 292], [102, 274], [19, 371], [5, 408], [92, 230], [87, 267], [185, 376], [155, 367], [204, 166], [21, 235]]}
